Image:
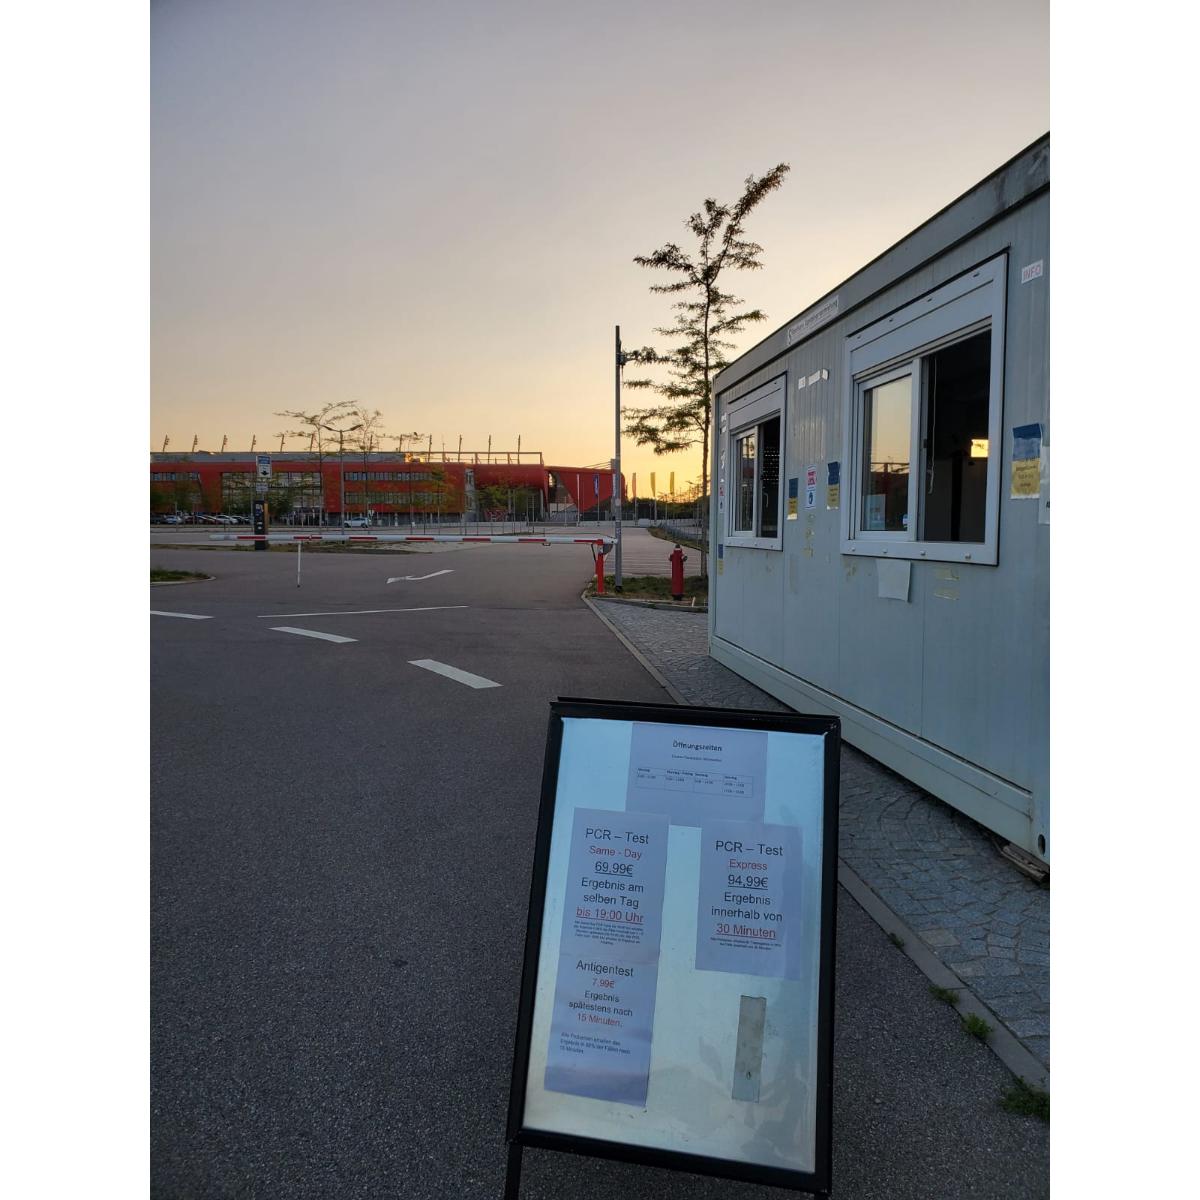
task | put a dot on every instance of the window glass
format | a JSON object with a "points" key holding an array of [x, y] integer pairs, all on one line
{"points": [[768, 479], [745, 455], [887, 455], [954, 486]]}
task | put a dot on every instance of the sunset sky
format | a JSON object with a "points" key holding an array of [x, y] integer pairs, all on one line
{"points": [[432, 208]]}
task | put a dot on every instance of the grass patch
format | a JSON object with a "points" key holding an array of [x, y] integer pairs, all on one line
{"points": [[945, 995], [895, 939], [664, 536], [1025, 1100], [976, 1026], [160, 575], [653, 587]]}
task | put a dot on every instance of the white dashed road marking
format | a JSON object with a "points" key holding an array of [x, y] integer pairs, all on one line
{"points": [[325, 637], [358, 612], [474, 681], [157, 612], [417, 578]]}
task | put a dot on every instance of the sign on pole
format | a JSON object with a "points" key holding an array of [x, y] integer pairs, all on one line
{"points": [[262, 472], [677, 995]]}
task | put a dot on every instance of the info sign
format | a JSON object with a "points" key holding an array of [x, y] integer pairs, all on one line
{"points": [[677, 995]]}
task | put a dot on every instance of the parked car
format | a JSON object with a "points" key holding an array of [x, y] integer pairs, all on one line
{"points": [[173, 519], [356, 523]]}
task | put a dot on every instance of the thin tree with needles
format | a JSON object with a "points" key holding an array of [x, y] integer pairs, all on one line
{"points": [[706, 318]]}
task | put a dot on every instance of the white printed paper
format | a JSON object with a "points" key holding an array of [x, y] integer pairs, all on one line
{"points": [[695, 774], [748, 911], [603, 1019]]}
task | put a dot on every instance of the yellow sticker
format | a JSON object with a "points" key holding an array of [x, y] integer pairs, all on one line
{"points": [[1026, 483], [833, 495]]}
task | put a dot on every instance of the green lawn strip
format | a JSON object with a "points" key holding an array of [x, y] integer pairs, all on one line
{"points": [[1025, 1100], [653, 587], [160, 575]]}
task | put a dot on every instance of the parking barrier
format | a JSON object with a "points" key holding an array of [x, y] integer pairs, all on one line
{"points": [[600, 545]]}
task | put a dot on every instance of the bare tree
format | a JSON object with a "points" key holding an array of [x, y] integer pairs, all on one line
{"points": [[364, 440], [317, 424]]}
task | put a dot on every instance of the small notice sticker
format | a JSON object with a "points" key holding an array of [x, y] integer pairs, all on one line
{"points": [[1033, 271], [833, 490], [1026, 462]]}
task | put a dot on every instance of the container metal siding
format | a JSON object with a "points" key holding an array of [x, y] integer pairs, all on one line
{"points": [[983, 663], [968, 674]]}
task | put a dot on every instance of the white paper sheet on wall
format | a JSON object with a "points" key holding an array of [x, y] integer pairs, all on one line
{"points": [[894, 578]]}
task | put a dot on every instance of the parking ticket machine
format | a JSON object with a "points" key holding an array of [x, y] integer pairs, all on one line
{"points": [[261, 523]]}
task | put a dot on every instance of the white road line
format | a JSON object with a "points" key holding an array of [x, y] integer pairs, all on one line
{"points": [[158, 612], [474, 681], [417, 578], [325, 637], [357, 612]]}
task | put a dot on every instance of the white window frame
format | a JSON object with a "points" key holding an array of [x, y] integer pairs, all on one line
{"points": [[739, 418], [894, 346]]}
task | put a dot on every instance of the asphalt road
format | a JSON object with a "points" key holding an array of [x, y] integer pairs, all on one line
{"points": [[341, 846]]}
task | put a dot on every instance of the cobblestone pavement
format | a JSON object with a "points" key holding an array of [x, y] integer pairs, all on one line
{"points": [[935, 868]]}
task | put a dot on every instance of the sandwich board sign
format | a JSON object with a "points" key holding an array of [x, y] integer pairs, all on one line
{"points": [[677, 993]]}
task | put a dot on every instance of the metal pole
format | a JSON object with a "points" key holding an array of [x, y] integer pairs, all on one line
{"points": [[299, 551], [342, 458], [616, 479]]}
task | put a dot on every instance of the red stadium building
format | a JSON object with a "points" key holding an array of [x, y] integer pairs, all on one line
{"points": [[390, 489]]}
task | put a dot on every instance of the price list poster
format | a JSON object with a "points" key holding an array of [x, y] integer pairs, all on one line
{"points": [[677, 1001]]}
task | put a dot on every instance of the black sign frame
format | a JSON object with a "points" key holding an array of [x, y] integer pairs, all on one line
{"points": [[817, 1181]]}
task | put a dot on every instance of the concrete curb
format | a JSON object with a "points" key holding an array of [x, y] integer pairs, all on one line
{"points": [[177, 582], [655, 674], [1001, 1042]]}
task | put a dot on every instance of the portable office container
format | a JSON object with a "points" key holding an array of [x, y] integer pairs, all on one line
{"points": [[881, 523]]}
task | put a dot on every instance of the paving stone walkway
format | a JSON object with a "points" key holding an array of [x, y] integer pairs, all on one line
{"points": [[935, 868]]}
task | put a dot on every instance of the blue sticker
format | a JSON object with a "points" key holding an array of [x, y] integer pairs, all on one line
{"points": [[794, 488], [1027, 442], [835, 474]]}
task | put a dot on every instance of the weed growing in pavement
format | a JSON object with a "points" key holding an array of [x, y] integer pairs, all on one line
{"points": [[976, 1026], [895, 939], [1025, 1100], [945, 995]]}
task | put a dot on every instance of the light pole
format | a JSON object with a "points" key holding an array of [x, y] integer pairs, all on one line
{"points": [[341, 437], [616, 479]]}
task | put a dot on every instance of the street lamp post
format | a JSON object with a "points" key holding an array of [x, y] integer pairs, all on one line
{"points": [[616, 479]]}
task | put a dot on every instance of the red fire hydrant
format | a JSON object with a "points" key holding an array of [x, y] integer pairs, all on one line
{"points": [[678, 558]]}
